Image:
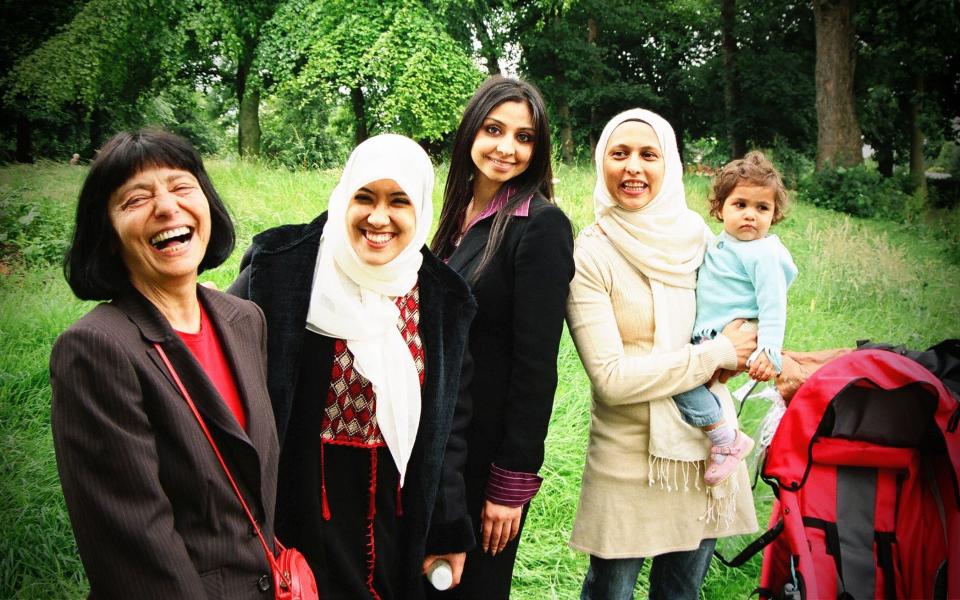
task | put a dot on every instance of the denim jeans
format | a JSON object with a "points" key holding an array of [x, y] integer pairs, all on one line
{"points": [[699, 407], [673, 576]]}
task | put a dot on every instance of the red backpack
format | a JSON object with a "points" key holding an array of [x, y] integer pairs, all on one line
{"points": [[865, 467]]}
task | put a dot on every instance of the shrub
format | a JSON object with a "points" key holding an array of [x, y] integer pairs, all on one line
{"points": [[792, 163], [33, 232], [859, 191], [944, 192], [948, 161]]}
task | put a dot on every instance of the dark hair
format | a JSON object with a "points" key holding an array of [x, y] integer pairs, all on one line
{"points": [[753, 169], [538, 176], [93, 266]]}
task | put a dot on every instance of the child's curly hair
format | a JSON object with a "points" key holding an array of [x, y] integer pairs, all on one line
{"points": [[753, 169]]}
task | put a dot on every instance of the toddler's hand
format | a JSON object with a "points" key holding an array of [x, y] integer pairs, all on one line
{"points": [[761, 369]]}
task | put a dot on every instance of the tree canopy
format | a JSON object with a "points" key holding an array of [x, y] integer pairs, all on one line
{"points": [[303, 80]]}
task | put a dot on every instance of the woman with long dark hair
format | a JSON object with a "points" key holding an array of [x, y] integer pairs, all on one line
{"points": [[500, 229]]}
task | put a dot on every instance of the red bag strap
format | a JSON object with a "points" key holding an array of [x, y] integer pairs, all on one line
{"points": [[233, 484]]}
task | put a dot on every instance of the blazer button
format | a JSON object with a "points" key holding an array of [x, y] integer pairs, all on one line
{"points": [[263, 584]]}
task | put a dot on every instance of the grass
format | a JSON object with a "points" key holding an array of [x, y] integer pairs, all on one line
{"points": [[858, 279]]}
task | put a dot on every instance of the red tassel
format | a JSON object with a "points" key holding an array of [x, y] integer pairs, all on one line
{"points": [[323, 486], [373, 483], [399, 501]]}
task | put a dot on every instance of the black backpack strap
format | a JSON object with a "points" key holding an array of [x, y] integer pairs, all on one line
{"points": [[754, 547], [885, 540], [856, 493], [831, 539]]}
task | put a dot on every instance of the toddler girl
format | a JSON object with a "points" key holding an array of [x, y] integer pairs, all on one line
{"points": [[745, 275]]}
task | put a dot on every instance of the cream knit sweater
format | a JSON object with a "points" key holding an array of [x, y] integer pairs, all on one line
{"points": [[622, 514]]}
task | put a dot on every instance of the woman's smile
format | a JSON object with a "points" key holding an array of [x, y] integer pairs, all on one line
{"points": [[501, 165], [378, 239], [173, 240]]}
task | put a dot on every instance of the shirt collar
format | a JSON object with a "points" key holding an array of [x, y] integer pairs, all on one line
{"points": [[499, 201]]}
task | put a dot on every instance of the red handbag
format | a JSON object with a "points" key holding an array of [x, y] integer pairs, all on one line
{"points": [[292, 577]]}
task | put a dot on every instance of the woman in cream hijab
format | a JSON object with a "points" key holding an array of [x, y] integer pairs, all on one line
{"points": [[631, 311], [367, 330]]}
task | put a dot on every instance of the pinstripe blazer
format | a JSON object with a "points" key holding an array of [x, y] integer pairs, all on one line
{"points": [[152, 511]]}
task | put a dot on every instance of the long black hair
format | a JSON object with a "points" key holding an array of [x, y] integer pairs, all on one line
{"points": [[92, 265], [538, 176]]}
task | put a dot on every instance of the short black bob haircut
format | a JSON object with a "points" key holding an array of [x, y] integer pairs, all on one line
{"points": [[92, 265]]}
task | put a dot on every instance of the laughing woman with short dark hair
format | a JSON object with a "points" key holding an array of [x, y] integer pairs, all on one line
{"points": [[152, 510]]}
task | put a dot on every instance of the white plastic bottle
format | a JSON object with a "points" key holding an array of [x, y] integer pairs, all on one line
{"points": [[440, 574]]}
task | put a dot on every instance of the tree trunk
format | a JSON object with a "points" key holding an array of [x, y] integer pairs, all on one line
{"points": [[95, 131], [248, 97], [566, 130], [838, 131], [731, 82], [563, 107], [359, 114], [592, 39], [24, 142], [488, 50], [884, 156], [249, 118], [918, 175]]}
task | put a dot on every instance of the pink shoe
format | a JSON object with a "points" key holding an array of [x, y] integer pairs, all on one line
{"points": [[717, 473]]}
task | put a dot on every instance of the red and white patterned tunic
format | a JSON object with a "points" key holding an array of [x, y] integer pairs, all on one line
{"points": [[350, 414]]}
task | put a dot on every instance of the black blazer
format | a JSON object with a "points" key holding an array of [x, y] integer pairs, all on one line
{"points": [[152, 511], [514, 340], [277, 273]]}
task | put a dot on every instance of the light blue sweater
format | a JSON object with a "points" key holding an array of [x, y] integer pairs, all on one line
{"points": [[746, 280]]}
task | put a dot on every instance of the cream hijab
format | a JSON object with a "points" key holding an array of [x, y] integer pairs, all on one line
{"points": [[355, 301], [664, 240]]}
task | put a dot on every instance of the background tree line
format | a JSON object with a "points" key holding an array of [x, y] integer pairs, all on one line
{"points": [[300, 81]]}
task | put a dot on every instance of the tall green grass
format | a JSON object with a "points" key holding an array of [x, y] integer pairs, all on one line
{"points": [[858, 279]]}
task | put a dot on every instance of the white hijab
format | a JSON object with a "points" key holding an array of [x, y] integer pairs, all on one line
{"points": [[355, 301], [664, 240]]}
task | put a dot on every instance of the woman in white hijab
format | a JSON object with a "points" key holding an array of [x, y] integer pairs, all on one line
{"points": [[367, 331], [631, 311]]}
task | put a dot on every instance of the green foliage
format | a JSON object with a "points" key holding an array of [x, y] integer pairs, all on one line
{"points": [[859, 191], [34, 232], [427, 82], [305, 134], [948, 160], [944, 192], [188, 113], [412, 77], [793, 164], [900, 45], [109, 53], [708, 151]]}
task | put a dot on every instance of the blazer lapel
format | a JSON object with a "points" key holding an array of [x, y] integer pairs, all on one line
{"points": [[464, 258], [215, 412], [242, 351]]}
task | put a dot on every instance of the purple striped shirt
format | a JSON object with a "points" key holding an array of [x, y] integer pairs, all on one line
{"points": [[498, 202], [511, 488]]}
